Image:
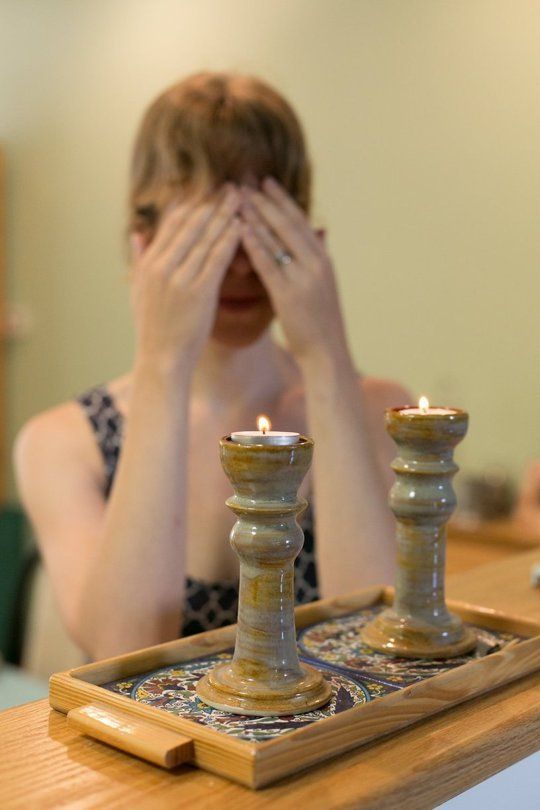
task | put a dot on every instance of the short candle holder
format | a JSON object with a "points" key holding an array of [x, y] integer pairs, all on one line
{"points": [[419, 625], [265, 676]]}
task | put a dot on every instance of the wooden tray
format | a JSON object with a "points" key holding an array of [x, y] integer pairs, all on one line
{"points": [[393, 694]]}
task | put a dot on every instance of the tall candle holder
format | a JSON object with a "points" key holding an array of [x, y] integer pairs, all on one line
{"points": [[265, 676], [419, 625]]}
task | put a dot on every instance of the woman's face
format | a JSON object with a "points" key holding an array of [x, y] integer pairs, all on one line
{"points": [[244, 310]]}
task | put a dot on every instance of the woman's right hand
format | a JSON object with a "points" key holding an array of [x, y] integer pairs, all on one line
{"points": [[177, 277]]}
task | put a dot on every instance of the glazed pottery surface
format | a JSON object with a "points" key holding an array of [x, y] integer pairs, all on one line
{"points": [[422, 499], [265, 676]]}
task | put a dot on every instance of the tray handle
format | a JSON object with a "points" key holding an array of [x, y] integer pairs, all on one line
{"points": [[131, 734]]}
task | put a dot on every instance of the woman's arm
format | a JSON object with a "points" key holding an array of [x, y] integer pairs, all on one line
{"points": [[355, 528], [351, 474], [118, 568]]}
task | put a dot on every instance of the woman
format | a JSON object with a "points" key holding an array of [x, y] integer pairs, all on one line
{"points": [[136, 543], [527, 511]]}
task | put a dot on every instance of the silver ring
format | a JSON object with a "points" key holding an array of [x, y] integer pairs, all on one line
{"points": [[282, 257]]}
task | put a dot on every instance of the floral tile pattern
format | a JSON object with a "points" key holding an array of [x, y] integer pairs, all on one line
{"points": [[356, 673], [173, 689], [337, 642]]}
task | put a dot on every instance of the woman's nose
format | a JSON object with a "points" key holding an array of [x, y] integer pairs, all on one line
{"points": [[240, 265]]}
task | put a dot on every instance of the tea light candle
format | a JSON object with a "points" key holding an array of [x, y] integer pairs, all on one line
{"points": [[264, 435], [424, 410], [419, 624]]}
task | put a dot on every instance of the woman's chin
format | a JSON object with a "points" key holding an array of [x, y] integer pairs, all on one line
{"points": [[239, 332]]}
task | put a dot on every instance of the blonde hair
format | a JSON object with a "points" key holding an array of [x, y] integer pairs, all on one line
{"points": [[212, 128]]}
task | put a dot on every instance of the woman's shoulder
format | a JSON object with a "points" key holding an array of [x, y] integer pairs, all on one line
{"points": [[53, 450], [378, 392], [63, 432], [55, 425], [384, 393]]}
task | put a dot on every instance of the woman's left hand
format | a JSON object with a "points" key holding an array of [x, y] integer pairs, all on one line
{"points": [[293, 264]]}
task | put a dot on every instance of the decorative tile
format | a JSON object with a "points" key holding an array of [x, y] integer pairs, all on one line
{"points": [[173, 689], [356, 673], [337, 642]]}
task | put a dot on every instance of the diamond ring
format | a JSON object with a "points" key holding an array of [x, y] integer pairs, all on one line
{"points": [[282, 257]]}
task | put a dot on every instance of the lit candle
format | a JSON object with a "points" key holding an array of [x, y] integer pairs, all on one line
{"points": [[419, 624], [264, 435], [424, 410]]}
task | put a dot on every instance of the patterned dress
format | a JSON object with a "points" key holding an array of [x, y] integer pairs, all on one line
{"points": [[208, 605]]}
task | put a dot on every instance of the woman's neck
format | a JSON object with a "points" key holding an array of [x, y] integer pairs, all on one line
{"points": [[231, 380], [242, 378]]}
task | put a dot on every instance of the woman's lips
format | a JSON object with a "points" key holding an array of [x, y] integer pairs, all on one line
{"points": [[240, 303]]}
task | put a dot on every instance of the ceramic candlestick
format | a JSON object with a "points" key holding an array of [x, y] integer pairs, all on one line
{"points": [[419, 625], [265, 676]]}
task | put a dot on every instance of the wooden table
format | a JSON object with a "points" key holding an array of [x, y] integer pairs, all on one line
{"points": [[473, 543], [43, 764]]}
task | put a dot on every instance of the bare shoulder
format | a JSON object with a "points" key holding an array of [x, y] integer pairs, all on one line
{"points": [[378, 394], [58, 436], [64, 424], [65, 431], [382, 393]]}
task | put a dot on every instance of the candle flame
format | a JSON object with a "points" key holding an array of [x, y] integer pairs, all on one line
{"points": [[263, 423], [423, 404]]}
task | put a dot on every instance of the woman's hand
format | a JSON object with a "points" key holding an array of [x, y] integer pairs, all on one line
{"points": [[304, 295], [296, 270], [176, 279]]}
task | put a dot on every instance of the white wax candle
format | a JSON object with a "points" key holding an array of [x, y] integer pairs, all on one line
{"points": [[427, 411], [268, 437]]}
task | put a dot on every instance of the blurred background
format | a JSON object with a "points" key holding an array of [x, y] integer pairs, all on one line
{"points": [[423, 119]]}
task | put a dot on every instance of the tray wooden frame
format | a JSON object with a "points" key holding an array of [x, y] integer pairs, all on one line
{"points": [[259, 764]]}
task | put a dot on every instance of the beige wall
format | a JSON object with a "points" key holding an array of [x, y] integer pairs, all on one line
{"points": [[424, 123]]}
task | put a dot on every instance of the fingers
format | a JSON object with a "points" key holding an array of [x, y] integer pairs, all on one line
{"points": [[283, 216], [221, 253], [221, 221], [261, 259], [196, 225], [261, 230], [181, 226], [137, 244], [173, 218], [278, 194]]}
